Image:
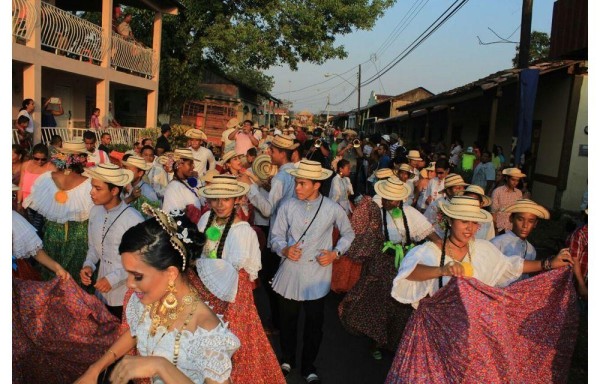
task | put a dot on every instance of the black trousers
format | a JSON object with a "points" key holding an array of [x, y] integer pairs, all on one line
{"points": [[270, 263], [116, 311], [312, 335]]}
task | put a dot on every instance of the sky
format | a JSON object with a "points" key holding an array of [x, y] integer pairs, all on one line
{"points": [[452, 56]]}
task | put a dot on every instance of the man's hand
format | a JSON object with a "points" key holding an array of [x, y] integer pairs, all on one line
{"points": [[86, 275], [103, 285], [326, 257], [293, 252]]}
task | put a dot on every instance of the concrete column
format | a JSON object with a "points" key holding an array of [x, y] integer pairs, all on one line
{"points": [[156, 39], [102, 96], [152, 109], [107, 12], [32, 89], [493, 119], [35, 23]]}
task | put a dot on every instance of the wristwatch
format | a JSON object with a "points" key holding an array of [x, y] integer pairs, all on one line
{"points": [[337, 254]]}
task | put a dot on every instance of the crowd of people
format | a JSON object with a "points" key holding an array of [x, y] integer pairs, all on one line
{"points": [[174, 240]]}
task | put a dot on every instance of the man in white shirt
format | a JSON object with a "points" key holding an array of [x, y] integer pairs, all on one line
{"points": [[204, 159], [95, 156], [226, 143], [110, 217]]}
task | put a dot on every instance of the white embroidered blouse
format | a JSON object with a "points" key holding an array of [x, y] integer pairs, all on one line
{"points": [[203, 354]]}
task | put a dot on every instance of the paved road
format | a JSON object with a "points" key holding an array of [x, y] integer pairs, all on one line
{"points": [[343, 358]]}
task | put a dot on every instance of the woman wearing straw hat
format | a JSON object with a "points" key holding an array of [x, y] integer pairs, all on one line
{"points": [[524, 216], [384, 233], [63, 198], [486, 230], [302, 237], [427, 268], [227, 267], [233, 165], [406, 175], [181, 192], [454, 185]]}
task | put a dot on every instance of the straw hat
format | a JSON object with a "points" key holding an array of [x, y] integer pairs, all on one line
{"points": [[284, 142], [392, 189], [454, 180], [431, 167], [233, 123], [350, 132], [183, 153], [110, 173], [138, 162], [406, 168], [224, 186], [72, 147], [527, 206], [312, 170], [413, 154], [263, 168], [465, 208], [485, 200], [209, 175], [423, 173], [195, 133], [162, 159], [383, 173], [513, 172], [229, 155]]}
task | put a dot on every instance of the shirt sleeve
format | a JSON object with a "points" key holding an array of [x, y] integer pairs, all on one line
{"points": [[266, 207], [279, 231], [410, 292]]}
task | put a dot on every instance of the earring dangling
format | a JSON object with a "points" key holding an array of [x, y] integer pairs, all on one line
{"points": [[170, 301]]}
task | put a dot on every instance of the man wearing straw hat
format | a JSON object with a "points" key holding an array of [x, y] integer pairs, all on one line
{"points": [[302, 237], [139, 192], [454, 185], [110, 217], [505, 195], [282, 189], [524, 215], [204, 159], [486, 229]]}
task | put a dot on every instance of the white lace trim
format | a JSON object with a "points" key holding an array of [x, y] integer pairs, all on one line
{"points": [[76, 208], [203, 353], [25, 240]]}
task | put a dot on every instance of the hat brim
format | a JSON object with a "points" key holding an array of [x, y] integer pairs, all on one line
{"points": [[414, 158], [258, 164], [456, 185], [120, 180], [325, 174], [146, 167], [482, 216], [219, 191], [388, 196], [540, 212], [292, 147], [72, 151]]}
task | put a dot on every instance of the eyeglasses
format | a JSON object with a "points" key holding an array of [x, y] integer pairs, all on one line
{"points": [[43, 159]]}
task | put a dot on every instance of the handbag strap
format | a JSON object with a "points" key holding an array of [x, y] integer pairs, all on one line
{"points": [[313, 219]]}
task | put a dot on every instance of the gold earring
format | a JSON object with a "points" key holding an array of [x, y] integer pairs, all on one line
{"points": [[170, 300]]}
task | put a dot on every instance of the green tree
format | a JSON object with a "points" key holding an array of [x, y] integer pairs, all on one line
{"points": [[242, 38], [539, 48]]}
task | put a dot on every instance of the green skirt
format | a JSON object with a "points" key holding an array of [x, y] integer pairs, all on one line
{"points": [[67, 244]]}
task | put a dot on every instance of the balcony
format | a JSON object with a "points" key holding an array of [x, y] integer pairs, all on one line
{"points": [[66, 34]]}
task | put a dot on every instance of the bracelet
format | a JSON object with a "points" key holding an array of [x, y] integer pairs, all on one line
{"points": [[546, 264], [114, 354]]}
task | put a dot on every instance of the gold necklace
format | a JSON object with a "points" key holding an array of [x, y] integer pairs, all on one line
{"points": [[161, 316]]}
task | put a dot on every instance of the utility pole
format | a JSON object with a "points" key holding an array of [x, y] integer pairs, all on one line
{"points": [[327, 119], [358, 109], [525, 42]]}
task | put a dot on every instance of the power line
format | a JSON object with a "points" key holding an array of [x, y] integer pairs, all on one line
{"points": [[418, 41], [412, 13]]}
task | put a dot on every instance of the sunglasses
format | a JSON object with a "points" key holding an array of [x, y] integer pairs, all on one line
{"points": [[44, 159]]}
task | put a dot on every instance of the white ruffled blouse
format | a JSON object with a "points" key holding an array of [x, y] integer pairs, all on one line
{"points": [[418, 225], [25, 240], [203, 354], [490, 266], [240, 251], [76, 208]]}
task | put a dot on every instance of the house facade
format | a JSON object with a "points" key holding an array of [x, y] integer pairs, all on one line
{"points": [[57, 53]]}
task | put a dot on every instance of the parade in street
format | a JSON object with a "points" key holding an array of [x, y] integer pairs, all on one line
{"points": [[316, 192]]}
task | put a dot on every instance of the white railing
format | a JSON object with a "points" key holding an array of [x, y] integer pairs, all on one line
{"points": [[124, 135], [71, 35], [132, 56], [24, 18]]}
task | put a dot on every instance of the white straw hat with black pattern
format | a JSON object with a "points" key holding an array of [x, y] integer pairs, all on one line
{"points": [[527, 206], [312, 170], [392, 189], [110, 173], [465, 208], [224, 186]]}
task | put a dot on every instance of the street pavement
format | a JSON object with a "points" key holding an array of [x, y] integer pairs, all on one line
{"points": [[343, 358]]}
